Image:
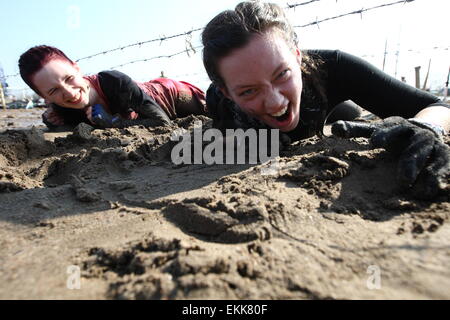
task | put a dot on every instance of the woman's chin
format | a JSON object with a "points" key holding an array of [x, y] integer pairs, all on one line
{"points": [[80, 105], [287, 128], [74, 106]]}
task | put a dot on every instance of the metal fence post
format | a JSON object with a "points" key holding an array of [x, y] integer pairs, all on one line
{"points": [[2, 97], [417, 77]]}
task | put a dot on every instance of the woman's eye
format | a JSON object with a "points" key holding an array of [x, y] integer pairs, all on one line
{"points": [[247, 92], [69, 78], [283, 74]]}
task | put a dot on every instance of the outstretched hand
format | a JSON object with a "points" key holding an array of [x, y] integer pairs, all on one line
{"points": [[51, 118], [424, 160]]}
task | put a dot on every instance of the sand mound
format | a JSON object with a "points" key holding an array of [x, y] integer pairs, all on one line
{"points": [[312, 224]]}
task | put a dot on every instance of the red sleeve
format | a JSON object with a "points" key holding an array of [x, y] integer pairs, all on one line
{"points": [[178, 98]]}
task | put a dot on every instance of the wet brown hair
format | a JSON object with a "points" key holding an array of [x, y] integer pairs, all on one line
{"points": [[233, 29]]}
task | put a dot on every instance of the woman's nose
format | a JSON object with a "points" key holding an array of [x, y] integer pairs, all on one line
{"points": [[68, 92], [274, 100]]}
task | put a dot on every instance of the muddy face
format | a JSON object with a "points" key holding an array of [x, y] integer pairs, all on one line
{"points": [[264, 79]]}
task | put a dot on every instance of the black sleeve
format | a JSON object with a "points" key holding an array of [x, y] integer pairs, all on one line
{"points": [[351, 78], [71, 117], [124, 95]]}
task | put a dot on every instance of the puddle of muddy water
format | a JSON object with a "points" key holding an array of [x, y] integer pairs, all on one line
{"points": [[19, 119]]}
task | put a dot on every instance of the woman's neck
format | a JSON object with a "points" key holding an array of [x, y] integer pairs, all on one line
{"points": [[94, 97]]}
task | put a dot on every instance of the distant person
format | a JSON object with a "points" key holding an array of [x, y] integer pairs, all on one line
{"points": [[106, 99], [260, 77], [30, 104]]}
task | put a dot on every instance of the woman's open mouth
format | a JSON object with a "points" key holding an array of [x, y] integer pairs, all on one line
{"points": [[283, 115], [76, 101]]}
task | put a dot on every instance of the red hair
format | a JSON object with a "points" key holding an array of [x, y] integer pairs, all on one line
{"points": [[34, 59]]}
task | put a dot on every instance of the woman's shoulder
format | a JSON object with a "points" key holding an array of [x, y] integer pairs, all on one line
{"points": [[329, 55], [113, 80], [334, 60], [112, 75]]}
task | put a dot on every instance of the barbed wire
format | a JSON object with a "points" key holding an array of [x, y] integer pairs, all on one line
{"points": [[11, 76], [405, 50], [191, 74], [164, 38], [187, 51], [188, 34], [161, 39], [293, 6], [362, 56], [360, 11]]}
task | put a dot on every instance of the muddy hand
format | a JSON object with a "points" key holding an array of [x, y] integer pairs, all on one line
{"points": [[51, 118], [424, 160]]}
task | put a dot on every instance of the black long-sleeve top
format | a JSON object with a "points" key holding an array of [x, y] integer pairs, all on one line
{"points": [[158, 100], [122, 95], [342, 77]]}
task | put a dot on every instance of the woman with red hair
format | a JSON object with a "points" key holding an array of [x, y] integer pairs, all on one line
{"points": [[106, 99]]}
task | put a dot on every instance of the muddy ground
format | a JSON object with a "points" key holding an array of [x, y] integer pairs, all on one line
{"points": [[329, 222]]}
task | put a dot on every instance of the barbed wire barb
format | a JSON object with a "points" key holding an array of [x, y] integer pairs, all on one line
{"points": [[153, 58], [163, 38], [293, 6], [353, 12], [189, 48]]}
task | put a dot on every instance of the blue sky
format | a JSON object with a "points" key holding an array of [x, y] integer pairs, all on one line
{"points": [[81, 28]]}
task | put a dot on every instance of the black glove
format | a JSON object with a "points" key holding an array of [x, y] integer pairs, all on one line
{"points": [[424, 160]]}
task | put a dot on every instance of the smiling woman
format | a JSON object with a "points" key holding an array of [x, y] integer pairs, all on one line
{"points": [[106, 99], [63, 84]]}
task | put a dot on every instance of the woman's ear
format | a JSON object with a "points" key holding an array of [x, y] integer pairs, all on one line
{"points": [[298, 54], [77, 67]]}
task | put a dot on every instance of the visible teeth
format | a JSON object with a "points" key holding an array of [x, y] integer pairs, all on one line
{"points": [[279, 113], [74, 100]]}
